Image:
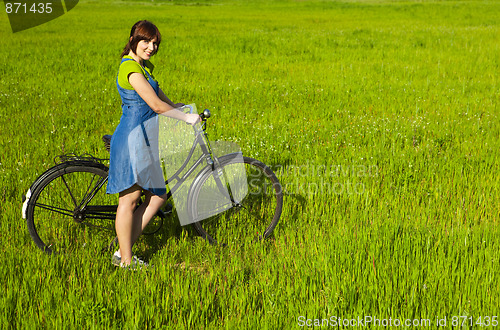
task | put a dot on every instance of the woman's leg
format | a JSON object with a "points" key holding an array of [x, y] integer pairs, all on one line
{"points": [[146, 211], [125, 224]]}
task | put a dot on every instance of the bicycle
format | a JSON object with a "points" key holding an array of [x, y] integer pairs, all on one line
{"points": [[67, 205]]}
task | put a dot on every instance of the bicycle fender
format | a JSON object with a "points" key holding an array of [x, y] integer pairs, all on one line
{"points": [[26, 200], [41, 177]]}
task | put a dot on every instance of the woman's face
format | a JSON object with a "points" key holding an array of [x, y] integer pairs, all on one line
{"points": [[146, 49]]}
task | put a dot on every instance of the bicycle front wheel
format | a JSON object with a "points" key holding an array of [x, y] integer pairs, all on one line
{"points": [[69, 208], [251, 219]]}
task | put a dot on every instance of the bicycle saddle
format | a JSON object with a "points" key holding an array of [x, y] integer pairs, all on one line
{"points": [[107, 141]]}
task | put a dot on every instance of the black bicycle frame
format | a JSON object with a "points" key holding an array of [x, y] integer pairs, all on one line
{"points": [[109, 211]]}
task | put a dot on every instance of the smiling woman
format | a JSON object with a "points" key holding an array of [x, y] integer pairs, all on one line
{"points": [[134, 166], [143, 32]]}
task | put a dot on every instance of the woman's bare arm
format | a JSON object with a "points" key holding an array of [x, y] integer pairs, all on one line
{"points": [[165, 99], [166, 108]]}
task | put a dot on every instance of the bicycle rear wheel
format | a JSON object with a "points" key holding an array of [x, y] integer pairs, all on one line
{"points": [[69, 208], [251, 219]]}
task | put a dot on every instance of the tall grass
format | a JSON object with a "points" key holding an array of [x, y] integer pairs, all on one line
{"points": [[380, 119]]}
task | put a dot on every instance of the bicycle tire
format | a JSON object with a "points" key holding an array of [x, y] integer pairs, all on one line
{"points": [[261, 207], [54, 214]]}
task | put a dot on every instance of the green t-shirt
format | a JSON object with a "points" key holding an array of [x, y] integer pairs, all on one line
{"points": [[128, 67]]}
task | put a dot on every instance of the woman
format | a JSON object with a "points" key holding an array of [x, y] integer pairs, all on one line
{"points": [[134, 163]]}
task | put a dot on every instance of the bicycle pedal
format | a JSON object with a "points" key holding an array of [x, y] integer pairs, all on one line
{"points": [[168, 208]]}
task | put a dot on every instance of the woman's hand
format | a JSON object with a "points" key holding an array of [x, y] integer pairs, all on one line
{"points": [[192, 118]]}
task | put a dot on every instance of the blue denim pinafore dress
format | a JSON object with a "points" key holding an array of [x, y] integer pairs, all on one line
{"points": [[134, 156]]}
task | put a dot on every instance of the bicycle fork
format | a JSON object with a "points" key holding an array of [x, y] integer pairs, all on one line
{"points": [[218, 171]]}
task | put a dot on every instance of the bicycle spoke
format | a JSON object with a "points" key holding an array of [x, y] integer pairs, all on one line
{"points": [[89, 195], [69, 190], [91, 187], [54, 209]]}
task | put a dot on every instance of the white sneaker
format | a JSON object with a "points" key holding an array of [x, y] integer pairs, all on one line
{"points": [[116, 259], [135, 264]]}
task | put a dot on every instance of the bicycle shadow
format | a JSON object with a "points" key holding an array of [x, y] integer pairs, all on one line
{"points": [[290, 196], [150, 244]]}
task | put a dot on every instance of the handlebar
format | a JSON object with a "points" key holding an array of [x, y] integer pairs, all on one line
{"points": [[191, 108], [205, 114]]}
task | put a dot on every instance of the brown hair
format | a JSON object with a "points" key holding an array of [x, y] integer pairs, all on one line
{"points": [[142, 30]]}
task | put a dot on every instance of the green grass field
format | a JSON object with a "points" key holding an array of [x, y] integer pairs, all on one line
{"points": [[379, 117]]}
